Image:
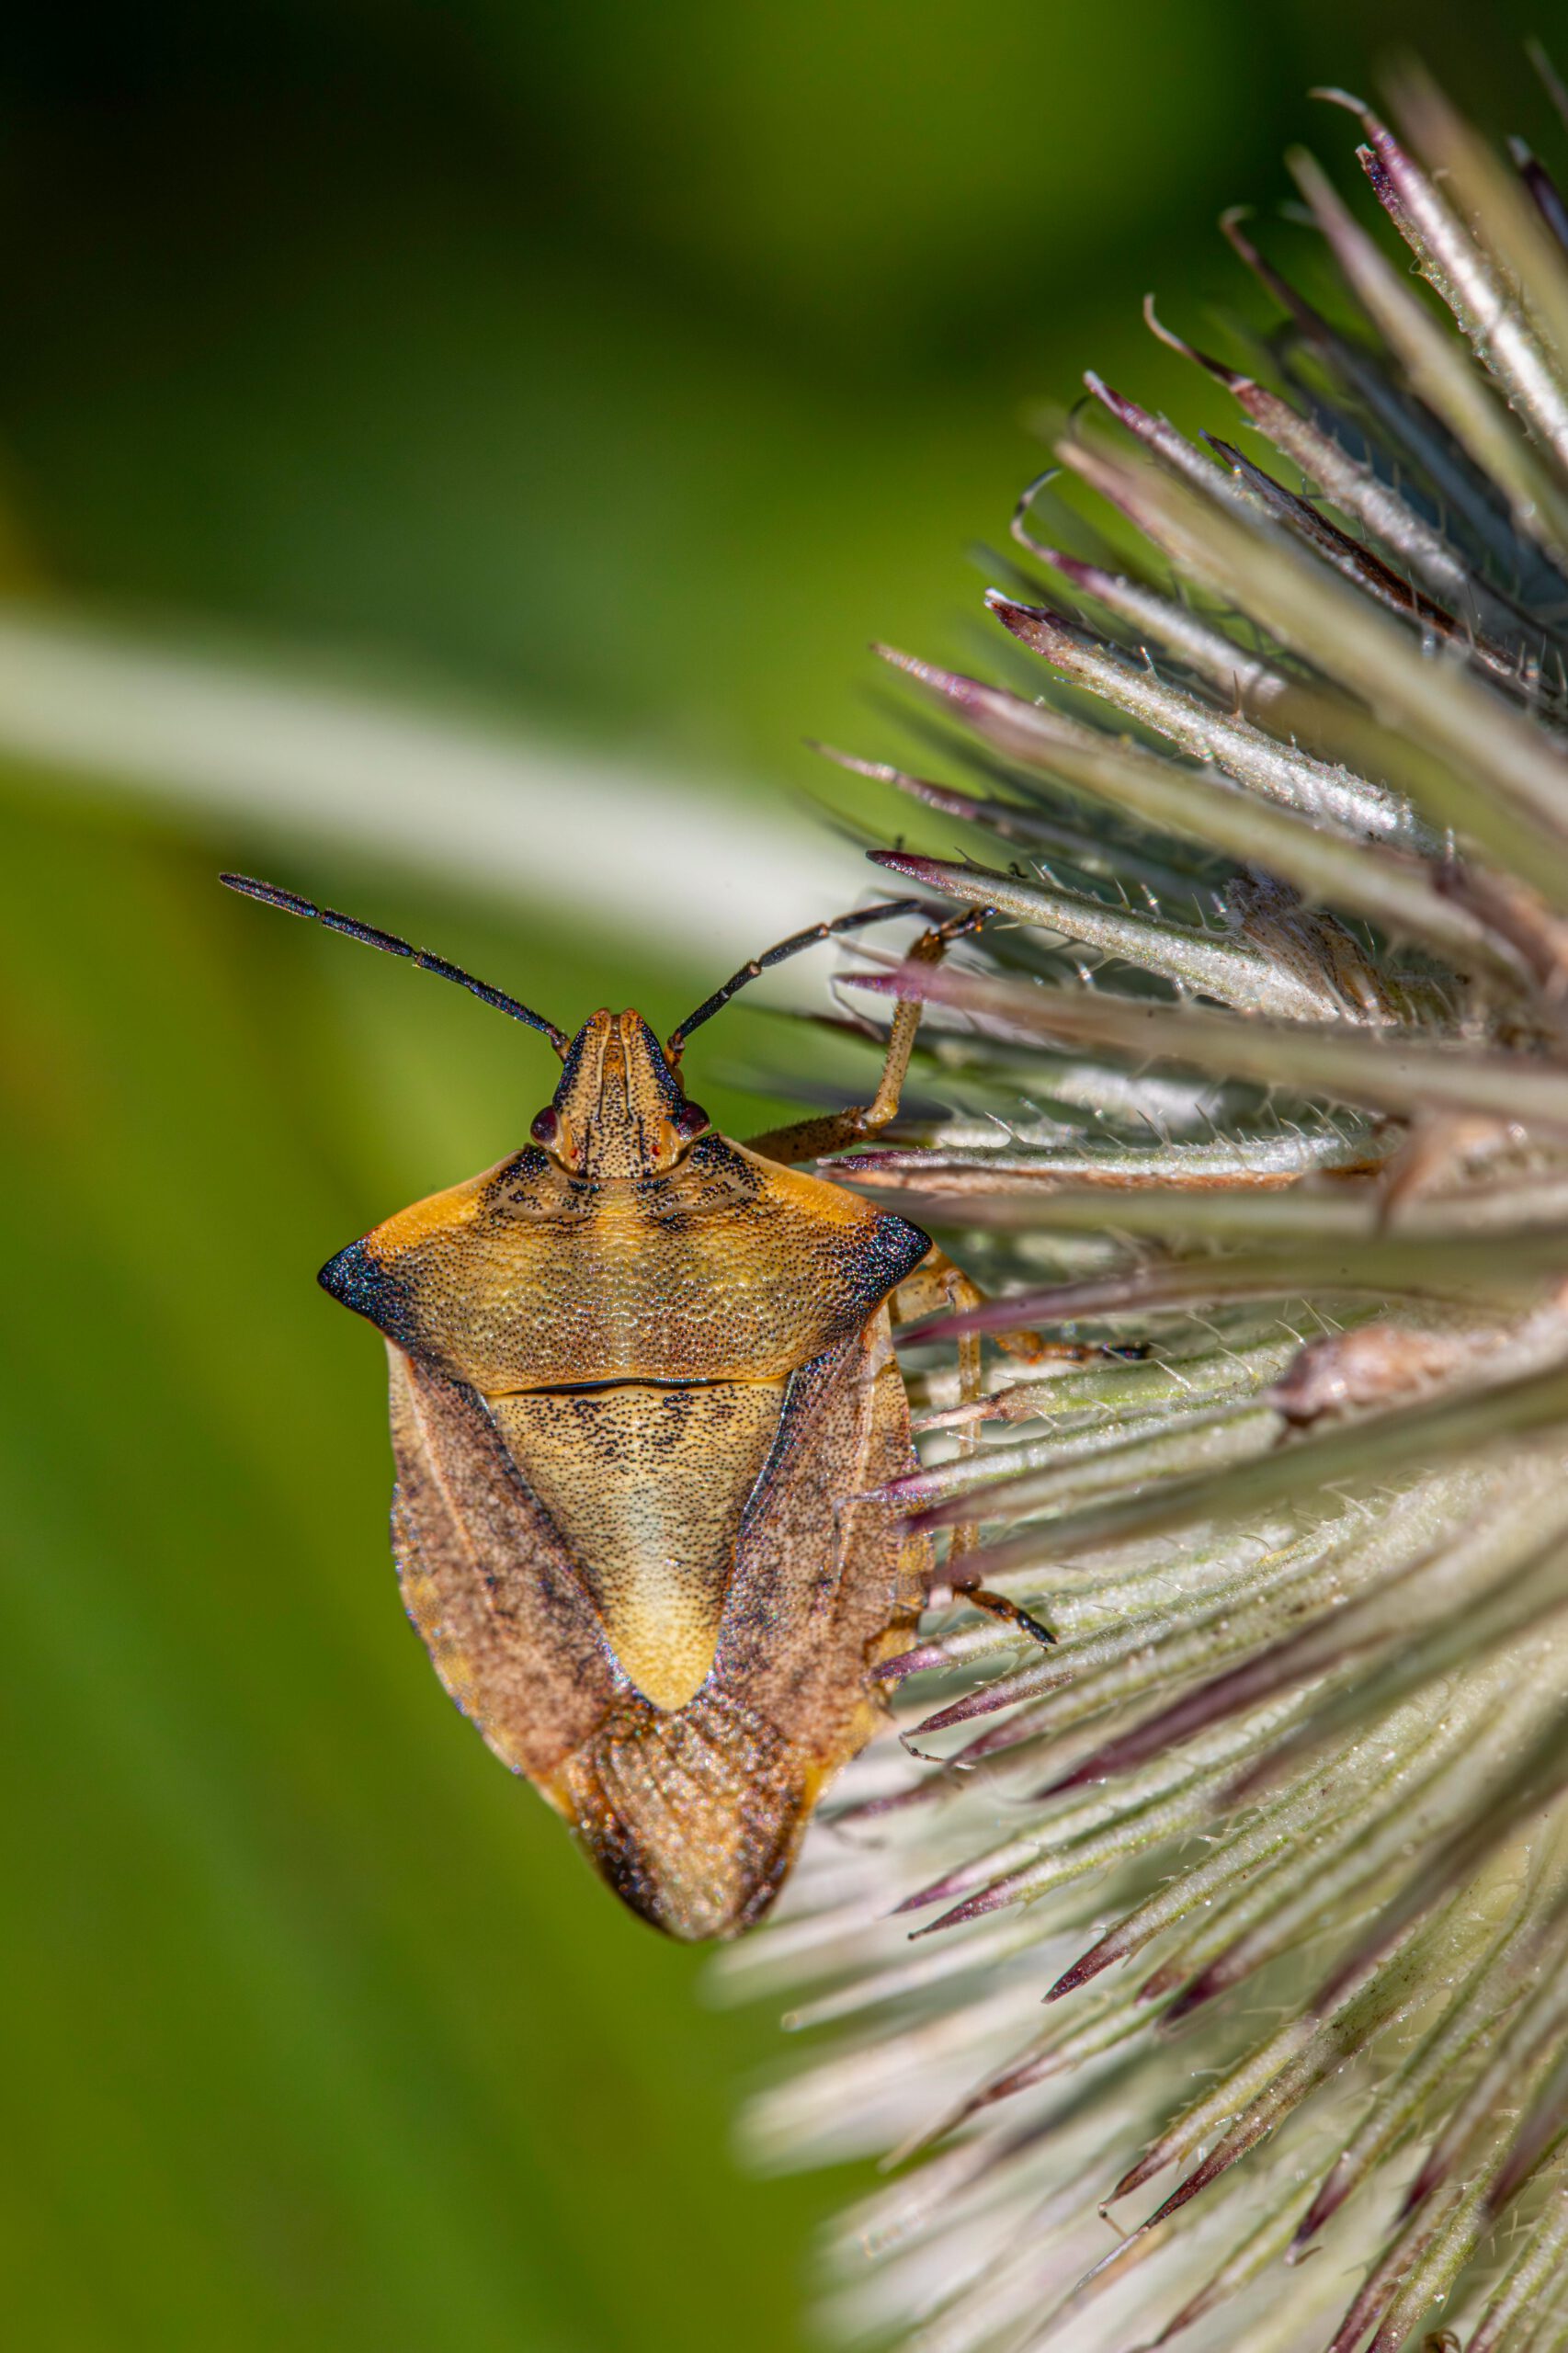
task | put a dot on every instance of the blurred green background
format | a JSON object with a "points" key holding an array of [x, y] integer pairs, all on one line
{"points": [[614, 372]]}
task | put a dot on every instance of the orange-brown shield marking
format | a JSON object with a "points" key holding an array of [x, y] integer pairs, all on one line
{"points": [[643, 1396], [642, 1381]]}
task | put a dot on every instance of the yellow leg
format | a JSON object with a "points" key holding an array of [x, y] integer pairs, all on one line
{"points": [[938, 1287], [834, 1130], [937, 1283]]}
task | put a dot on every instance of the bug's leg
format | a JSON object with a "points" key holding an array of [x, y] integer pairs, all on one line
{"points": [[997, 1605], [938, 1287], [947, 1285], [833, 1131]]}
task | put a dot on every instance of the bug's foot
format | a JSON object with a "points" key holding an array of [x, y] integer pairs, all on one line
{"points": [[997, 1605]]}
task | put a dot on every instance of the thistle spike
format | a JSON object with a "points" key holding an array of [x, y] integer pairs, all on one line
{"points": [[1248, 1903]]}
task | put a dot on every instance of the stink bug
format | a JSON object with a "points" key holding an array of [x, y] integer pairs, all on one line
{"points": [[644, 1395]]}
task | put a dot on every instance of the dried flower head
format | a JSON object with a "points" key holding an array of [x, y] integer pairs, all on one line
{"points": [[1233, 1930]]}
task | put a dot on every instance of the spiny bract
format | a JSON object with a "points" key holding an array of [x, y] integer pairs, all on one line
{"points": [[1279, 1831]]}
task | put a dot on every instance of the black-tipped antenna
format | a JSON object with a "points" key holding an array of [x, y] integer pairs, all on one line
{"points": [[791, 946], [271, 896]]}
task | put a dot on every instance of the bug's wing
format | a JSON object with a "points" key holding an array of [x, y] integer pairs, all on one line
{"points": [[828, 1580], [489, 1583], [695, 1816]]}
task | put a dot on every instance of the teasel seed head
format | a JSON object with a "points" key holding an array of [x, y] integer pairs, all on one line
{"points": [[1231, 1930]]}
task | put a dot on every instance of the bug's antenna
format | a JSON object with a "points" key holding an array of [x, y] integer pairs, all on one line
{"points": [[271, 896], [791, 946]]}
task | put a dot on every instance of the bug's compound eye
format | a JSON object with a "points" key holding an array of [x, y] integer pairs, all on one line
{"points": [[690, 1121], [545, 1126]]}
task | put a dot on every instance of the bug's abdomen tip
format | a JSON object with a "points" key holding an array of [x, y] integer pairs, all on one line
{"points": [[691, 1825]]}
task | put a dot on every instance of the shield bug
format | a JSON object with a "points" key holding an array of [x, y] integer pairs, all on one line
{"points": [[644, 1397]]}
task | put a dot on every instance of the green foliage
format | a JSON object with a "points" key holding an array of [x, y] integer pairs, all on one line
{"points": [[321, 2033]]}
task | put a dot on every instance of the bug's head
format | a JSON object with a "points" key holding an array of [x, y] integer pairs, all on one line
{"points": [[619, 1109]]}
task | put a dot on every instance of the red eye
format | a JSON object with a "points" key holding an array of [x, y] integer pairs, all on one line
{"points": [[690, 1120], [546, 1126]]}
